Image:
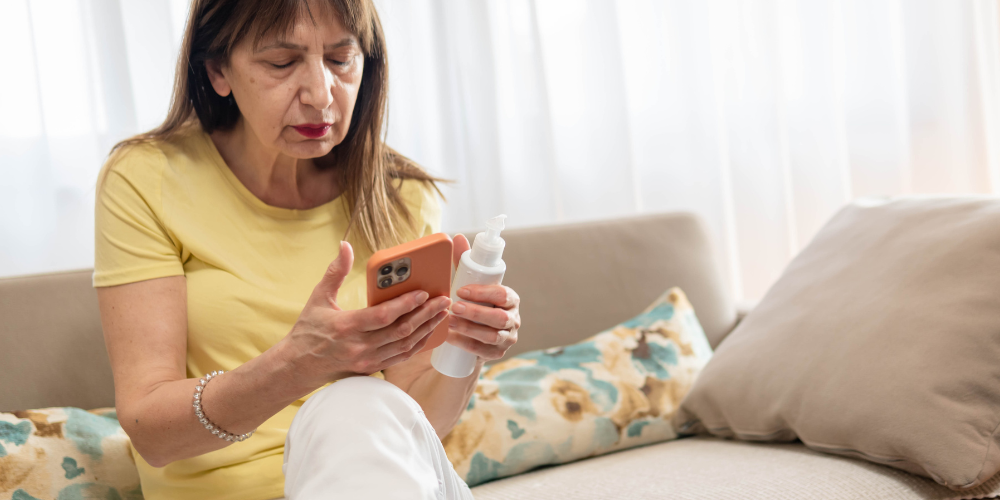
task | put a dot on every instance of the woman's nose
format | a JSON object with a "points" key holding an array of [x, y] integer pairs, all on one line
{"points": [[317, 87]]}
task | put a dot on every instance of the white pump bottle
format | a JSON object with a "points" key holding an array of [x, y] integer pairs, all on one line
{"points": [[482, 265]]}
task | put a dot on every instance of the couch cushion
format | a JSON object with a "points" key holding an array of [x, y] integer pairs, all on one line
{"points": [[66, 453], [615, 390], [881, 340], [709, 468]]}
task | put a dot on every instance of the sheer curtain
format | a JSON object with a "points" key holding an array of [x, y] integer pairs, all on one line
{"points": [[79, 76], [763, 117]]}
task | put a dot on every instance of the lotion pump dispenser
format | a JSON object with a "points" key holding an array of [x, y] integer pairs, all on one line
{"points": [[482, 265]]}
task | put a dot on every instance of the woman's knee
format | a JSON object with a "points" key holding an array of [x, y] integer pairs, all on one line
{"points": [[360, 400], [363, 434]]}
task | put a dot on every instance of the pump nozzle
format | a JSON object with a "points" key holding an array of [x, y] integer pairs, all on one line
{"points": [[494, 226], [488, 246]]}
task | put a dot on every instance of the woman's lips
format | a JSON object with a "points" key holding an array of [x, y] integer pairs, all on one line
{"points": [[312, 130]]}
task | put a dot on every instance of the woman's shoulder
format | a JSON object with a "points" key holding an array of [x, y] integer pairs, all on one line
{"points": [[423, 201], [140, 165], [417, 192], [143, 162], [415, 185]]}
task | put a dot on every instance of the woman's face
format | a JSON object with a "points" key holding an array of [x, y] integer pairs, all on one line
{"points": [[296, 93]]}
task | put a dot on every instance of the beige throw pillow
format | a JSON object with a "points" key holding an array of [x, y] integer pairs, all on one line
{"points": [[881, 341]]}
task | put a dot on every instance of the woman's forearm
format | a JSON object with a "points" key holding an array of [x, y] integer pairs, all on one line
{"points": [[442, 398], [162, 424], [486, 326]]}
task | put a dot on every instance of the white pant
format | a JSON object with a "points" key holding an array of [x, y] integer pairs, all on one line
{"points": [[363, 437]]}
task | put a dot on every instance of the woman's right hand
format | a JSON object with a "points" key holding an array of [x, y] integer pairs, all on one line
{"points": [[327, 343]]}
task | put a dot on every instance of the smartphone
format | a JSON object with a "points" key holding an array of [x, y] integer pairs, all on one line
{"points": [[422, 264]]}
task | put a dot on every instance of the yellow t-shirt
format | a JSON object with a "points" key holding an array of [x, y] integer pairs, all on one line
{"points": [[171, 209]]}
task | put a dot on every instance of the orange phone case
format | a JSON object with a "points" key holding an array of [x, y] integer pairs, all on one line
{"points": [[430, 271]]}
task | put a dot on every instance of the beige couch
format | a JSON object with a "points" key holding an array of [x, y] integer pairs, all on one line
{"points": [[575, 280]]}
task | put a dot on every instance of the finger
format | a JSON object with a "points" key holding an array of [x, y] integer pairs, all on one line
{"points": [[482, 333], [490, 316], [382, 315], [460, 246], [327, 288], [485, 351], [411, 322], [498, 295], [415, 341]]}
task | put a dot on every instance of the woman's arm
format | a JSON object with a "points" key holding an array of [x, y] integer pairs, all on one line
{"points": [[145, 329], [442, 398], [485, 331]]}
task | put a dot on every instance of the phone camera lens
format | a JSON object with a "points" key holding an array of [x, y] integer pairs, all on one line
{"points": [[402, 271], [385, 270], [387, 282]]}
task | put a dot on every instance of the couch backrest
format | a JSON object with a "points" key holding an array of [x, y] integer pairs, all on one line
{"points": [[51, 345], [574, 281]]}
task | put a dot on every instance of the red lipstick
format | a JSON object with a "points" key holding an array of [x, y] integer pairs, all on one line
{"points": [[312, 130]]}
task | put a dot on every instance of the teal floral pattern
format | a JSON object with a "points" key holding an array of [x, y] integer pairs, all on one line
{"points": [[615, 390], [66, 454]]}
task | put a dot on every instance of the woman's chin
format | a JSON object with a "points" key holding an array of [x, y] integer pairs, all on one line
{"points": [[312, 148]]}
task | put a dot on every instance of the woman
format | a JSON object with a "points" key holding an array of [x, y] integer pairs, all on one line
{"points": [[214, 241]]}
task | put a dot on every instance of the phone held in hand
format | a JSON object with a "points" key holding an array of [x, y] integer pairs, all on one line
{"points": [[422, 264]]}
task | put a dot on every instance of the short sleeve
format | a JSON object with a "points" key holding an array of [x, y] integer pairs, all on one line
{"points": [[131, 242]]}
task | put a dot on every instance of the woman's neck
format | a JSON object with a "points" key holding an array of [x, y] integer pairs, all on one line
{"points": [[276, 179]]}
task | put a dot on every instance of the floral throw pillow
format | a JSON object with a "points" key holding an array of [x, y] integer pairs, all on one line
{"points": [[615, 390], [66, 453]]}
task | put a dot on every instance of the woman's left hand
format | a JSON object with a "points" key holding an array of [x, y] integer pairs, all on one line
{"points": [[483, 330]]}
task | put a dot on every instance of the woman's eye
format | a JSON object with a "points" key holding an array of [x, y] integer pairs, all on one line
{"points": [[339, 63], [282, 66]]}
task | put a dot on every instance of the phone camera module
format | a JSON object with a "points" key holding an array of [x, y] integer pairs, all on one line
{"points": [[402, 271], [385, 283], [385, 270]]}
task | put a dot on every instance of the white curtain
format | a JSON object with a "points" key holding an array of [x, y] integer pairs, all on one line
{"points": [[763, 117], [78, 76]]}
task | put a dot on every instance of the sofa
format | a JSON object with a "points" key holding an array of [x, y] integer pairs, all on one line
{"points": [[575, 280]]}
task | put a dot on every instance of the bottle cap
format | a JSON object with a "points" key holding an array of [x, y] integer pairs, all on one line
{"points": [[488, 247]]}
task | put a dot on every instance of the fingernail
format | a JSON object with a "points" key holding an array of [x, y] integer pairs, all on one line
{"points": [[422, 297], [452, 323], [464, 293], [458, 308]]}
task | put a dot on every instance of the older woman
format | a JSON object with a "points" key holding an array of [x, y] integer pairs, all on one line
{"points": [[226, 321]]}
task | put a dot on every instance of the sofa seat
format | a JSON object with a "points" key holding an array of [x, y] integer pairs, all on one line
{"points": [[709, 468]]}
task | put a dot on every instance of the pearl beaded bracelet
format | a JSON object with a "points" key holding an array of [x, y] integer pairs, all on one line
{"points": [[208, 423]]}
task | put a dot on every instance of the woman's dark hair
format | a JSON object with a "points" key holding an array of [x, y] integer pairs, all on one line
{"points": [[370, 171]]}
